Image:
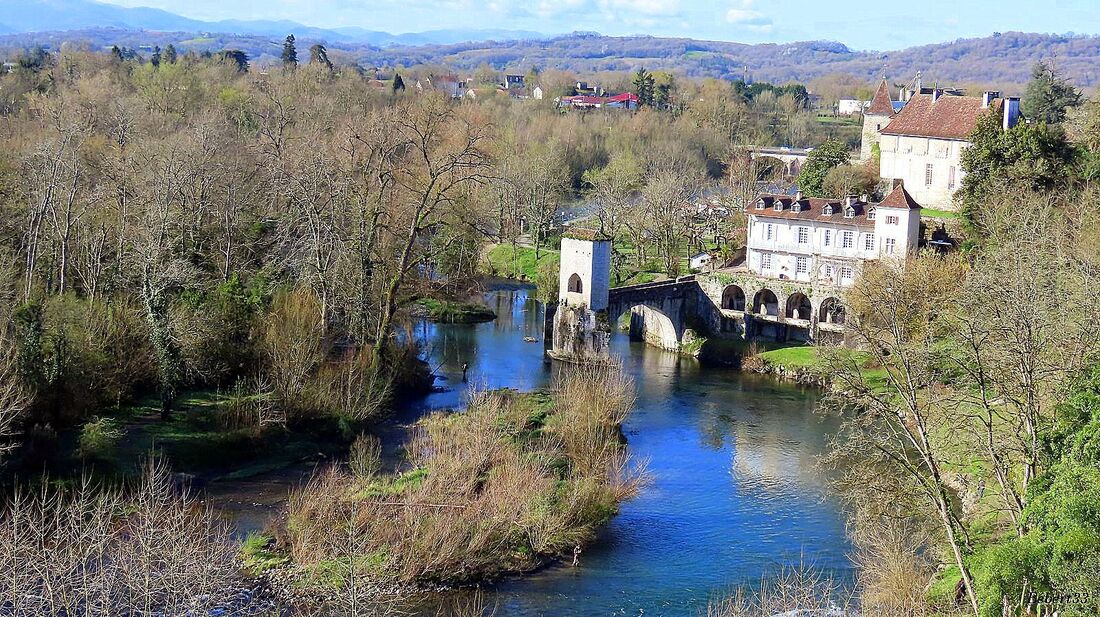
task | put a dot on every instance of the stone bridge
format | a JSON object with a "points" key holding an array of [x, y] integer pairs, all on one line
{"points": [[668, 314], [661, 312], [792, 159]]}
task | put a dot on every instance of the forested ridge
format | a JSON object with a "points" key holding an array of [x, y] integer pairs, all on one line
{"points": [[1003, 60]]}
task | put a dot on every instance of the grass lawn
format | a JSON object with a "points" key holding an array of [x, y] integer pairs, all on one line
{"points": [[938, 214], [839, 120], [810, 357], [521, 264]]}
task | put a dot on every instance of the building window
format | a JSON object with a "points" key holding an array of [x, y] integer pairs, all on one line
{"points": [[928, 175], [828, 237], [769, 231], [802, 265], [871, 214], [869, 242], [850, 213], [575, 285], [765, 261], [803, 235], [892, 220], [891, 243], [760, 205], [847, 239], [951, 177], [828, 271], [828, 210], [846, 273]]}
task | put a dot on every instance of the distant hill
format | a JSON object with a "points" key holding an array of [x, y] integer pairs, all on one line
{"points": [[998, 59], [1002, 60], [52, 16]]}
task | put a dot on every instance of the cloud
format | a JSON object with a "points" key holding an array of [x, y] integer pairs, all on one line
{"points": [[743, 13]]}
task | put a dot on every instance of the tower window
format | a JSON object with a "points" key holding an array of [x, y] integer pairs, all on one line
{"points": [[928, 174], [575, 284]]}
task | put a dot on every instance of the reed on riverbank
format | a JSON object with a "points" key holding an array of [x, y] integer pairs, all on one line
{"points": [[511, 483], [94, 550]]}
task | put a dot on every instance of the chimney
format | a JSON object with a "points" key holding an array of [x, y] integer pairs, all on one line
{"points": [[988, 96], [865, 198], [798, 195], [850, 200], [1012, 112]]}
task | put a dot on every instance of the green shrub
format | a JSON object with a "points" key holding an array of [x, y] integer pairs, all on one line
{"points": [[99, 438]]}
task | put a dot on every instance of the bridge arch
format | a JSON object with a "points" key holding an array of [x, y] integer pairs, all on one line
{"points": [[770, 168], [832, 311], [799, 307], [765, 302], [653, 326], [733, 298]]}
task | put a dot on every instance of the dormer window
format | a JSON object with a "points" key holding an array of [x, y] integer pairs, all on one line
{"points": [[796, 207], [849, 213], [871, 214], [760, 205], [828, 210], [778, 206]]}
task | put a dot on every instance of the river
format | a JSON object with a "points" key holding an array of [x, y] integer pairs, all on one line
{"points": [[736, 493]]}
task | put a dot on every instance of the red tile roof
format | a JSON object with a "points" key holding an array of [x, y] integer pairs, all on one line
{"points": [[949, 117], [900, 198], [810, 209], [881, 104], [583, 233]]}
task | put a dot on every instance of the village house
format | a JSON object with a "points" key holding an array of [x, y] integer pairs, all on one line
{"points": [[922, 144], [626, 100], [827, 241], [450, 84], [850, 107]]}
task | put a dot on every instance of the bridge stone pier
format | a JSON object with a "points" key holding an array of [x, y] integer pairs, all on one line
{"points": [[668, 314]]}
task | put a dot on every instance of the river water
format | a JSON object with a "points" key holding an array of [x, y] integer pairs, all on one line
{"points": [[736, 493]]}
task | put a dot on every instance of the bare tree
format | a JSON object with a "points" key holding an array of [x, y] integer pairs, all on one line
{"points": [[900, 311]]}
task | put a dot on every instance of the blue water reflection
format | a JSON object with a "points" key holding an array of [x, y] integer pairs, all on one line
{"points": [[737, 491]]}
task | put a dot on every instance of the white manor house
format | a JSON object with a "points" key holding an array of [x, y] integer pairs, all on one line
{"points": [[826, 241]]}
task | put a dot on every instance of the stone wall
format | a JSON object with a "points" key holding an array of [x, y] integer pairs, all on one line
{"points": [[579, 334]]}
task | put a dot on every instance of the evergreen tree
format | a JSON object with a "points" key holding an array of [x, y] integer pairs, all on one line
{"points": [[644, 87], [155, 59], [398, 83], [822, 160], [169, 54], [1029, 156], [1048, 95], [290, 53], [237, 57], [319, 55]]}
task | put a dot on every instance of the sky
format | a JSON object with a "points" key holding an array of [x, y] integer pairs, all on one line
{"points": [[860, 24]]}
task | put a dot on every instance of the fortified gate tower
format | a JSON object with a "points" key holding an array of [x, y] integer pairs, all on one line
{"points": [[578, 325]]}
